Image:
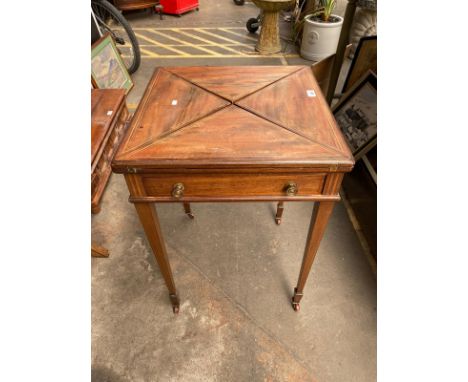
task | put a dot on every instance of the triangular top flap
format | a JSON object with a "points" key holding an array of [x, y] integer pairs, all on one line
{"points": [[168, 104], [233, 82], [236, 136], [304, 109]]}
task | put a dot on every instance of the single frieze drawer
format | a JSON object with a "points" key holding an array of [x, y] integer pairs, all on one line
{"points": [[200, 185]]}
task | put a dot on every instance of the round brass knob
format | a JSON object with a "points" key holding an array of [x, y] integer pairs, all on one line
{"points": [[178, 190], [291, 188]]}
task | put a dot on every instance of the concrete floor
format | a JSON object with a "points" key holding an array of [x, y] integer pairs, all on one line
{"points": [[235, 271]]}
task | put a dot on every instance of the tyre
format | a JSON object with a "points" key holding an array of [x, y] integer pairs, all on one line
{"points": [[111, 20], [252, 25], [239, 2]]}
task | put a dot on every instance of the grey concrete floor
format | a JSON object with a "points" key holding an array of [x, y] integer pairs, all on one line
{"points": [[235, 271]]}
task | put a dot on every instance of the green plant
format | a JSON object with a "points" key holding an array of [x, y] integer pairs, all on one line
{"points": [[314, 8], [325, 9]]}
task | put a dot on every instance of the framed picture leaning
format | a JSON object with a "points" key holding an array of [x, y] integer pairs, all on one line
{"points": [[364, 59], [356, 115], [108, 70]]}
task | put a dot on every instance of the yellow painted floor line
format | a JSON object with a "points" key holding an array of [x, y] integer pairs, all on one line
{"points": [[148, 52], [208, 41], [221, 37], [169, 28], [181, 45], [237, 34], [161, 45], [211, 52]]}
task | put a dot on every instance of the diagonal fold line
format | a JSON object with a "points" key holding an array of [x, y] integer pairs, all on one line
{"points": [[162, 136], [200, 87], [159, 137], [269, 83], [238, 99], [289, 129]]}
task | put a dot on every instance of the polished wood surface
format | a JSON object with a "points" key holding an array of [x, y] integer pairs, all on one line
{"points": [[179, 124], [303, 115], [229, 82], [203, 134], [98, 251], [128, 5], [109, 117], [212, 186]]}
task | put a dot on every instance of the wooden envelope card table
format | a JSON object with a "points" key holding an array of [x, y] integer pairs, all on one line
{"points": [[240, 133]]}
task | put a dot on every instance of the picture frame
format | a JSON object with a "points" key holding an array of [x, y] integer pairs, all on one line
{"points": [[356, 115], [108, 70], [365, 58]]}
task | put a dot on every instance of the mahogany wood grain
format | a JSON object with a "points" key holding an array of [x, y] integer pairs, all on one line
{"points": [[129, 5], [227, 199], [233, 134], [168, 104], [303, 113], [205, 130], [318, 223], [230, 185], [150, 222], [103, 101], [98, 251], [109, 117], [230, 82], [279, 212], [188, 210]]}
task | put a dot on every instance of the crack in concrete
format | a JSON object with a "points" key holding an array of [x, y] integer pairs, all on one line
{"points": [[237, 305]]}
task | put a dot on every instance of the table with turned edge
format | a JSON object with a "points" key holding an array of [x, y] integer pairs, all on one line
{"points": [[227, 134]]}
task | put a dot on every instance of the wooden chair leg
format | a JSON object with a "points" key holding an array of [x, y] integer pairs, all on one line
{"points": [[188, 210], [98, 251], [279, 213]]}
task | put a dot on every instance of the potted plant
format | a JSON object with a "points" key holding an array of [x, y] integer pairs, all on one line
{"points": [[321, 31]]}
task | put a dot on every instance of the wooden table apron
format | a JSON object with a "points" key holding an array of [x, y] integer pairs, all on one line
{"points": [[226, 134]]}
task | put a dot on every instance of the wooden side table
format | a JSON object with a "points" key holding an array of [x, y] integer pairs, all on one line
{"points": [[217, 134], [109, 118]]}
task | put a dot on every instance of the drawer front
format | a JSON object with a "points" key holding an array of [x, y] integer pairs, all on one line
{"points": [[232, 185]]}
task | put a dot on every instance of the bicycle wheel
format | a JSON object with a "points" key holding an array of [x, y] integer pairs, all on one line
{"points": [[111, 20]]}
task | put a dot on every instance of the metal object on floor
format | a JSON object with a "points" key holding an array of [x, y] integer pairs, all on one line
{"points": [[254, 23]]}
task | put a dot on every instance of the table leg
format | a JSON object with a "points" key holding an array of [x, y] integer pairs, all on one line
{"points": [[188, 210], [318, 224], [98, 251], [279, 213], [149, 220]]}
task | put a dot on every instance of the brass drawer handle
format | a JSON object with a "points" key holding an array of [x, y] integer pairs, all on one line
{"points": [[291, 188], [178, 190]]}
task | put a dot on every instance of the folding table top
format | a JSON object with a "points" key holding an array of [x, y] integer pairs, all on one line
{"points": [[236, 116]]}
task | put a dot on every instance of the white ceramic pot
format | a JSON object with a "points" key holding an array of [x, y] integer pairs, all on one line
{"points": [[319, 39]]}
